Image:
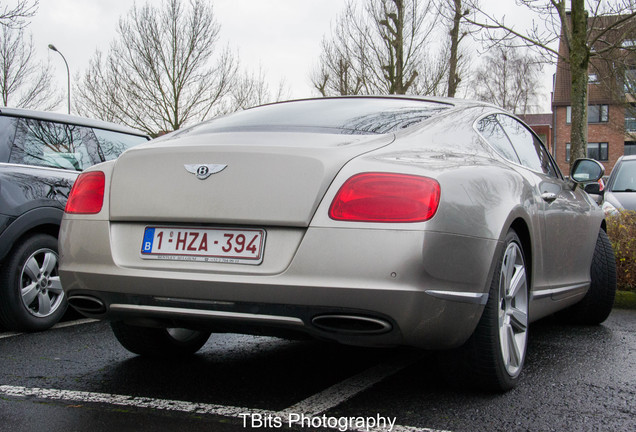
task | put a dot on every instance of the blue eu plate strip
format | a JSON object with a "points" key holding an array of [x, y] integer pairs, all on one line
{"points": [[149, 236]]}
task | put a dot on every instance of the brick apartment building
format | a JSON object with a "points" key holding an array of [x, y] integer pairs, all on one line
{"points": [[610, 118]]}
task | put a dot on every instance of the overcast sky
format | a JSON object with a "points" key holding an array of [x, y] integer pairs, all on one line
{"points": [[281, 36]]}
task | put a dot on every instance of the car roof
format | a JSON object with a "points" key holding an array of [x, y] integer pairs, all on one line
{"points": [[69, 119]]}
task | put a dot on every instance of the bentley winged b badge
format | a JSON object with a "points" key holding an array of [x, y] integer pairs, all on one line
{"points": [[203, 171]]}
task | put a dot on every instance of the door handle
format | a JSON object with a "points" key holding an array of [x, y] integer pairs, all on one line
{"points": [[548, 197]]}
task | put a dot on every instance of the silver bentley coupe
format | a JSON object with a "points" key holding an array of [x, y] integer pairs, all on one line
{"points": [[371, 221]]}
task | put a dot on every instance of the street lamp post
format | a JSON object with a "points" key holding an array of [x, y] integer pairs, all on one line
{"points": [[68, 73]]}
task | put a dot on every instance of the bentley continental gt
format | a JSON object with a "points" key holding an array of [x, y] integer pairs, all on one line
{"points": [[371, 221]]}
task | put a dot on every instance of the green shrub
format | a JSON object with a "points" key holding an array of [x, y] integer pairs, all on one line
{"points": [[621, 229]]}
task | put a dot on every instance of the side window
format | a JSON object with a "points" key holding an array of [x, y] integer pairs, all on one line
{"points": [[529, 148], [111, 144], [7, 132], [492, 131], [49, 144]]}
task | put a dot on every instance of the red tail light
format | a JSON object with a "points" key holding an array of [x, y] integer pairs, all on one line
{"points": [[87, 194], [386, 197]]}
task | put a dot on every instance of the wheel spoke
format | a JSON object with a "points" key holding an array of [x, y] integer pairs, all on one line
{"points": [[518, 320], [50, 261], [510, 266], [45, 304], [515, 352], [505, 344], [29, 292], [32, 269], [56, 285], [518, 281]]}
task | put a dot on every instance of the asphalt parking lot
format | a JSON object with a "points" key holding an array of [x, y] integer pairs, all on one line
{"points": [[76, 377]]}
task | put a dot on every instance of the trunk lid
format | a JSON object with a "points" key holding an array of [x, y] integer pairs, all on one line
{"points": [[270, 178]]}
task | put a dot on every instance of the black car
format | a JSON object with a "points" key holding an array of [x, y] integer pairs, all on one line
{"points": [[41, 155]]}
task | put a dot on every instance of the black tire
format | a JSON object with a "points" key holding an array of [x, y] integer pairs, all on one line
{"points": [[159, 342], [31, 264], [488, 364], [597, 304]]}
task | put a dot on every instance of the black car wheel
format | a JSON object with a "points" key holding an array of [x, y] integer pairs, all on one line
{"points": [[159, 342], [597, 304], [32, 295]]}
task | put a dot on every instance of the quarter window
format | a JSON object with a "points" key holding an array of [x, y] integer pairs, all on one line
{"points": [[492, 131], [528, 147]]}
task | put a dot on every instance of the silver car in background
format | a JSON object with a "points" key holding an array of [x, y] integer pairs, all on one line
{"points": [[620, 193], [371, 221]]}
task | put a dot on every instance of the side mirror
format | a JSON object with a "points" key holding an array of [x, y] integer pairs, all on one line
{"points": [[587, 170], [593, 188]]}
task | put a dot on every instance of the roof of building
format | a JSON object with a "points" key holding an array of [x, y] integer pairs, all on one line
{"points": [[537, 119], [604, 91]]}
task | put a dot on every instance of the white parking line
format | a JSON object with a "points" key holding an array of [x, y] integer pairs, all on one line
{"points": [[309, 409], [56, 326], [345, 390]]}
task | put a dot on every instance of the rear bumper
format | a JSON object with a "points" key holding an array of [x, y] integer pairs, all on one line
{"points": [[415, 288]]}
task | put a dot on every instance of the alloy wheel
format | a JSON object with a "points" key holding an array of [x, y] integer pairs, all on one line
{"points": [[513, 310], [40, 287]]}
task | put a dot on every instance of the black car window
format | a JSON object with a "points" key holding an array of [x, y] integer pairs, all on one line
{"points": [[7, 132], [49, 144], [111, 144], [528, 147], [492, 131]]}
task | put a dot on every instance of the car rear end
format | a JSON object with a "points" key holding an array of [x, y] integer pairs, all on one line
{"points": [[289, 236]]}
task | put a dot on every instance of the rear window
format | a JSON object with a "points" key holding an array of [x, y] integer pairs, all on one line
{"points": [[330, 115], [111, 144]]}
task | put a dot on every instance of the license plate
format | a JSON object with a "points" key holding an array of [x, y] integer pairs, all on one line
{"points": [[222, 245]]}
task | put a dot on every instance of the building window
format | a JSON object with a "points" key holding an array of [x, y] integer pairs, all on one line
{"points": [[592, 78], [595, 114], [630, 148], [597, 151], [630, 118]]}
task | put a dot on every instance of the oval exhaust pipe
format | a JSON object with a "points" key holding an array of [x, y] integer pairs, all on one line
{"points": [[87, 304], [351, 324]]}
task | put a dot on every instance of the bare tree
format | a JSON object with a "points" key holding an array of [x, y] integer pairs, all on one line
{"points": [[24, 82], [16, 17], [251, 89], [381, 48], [508, 77], [164, 70], [571, 25]]}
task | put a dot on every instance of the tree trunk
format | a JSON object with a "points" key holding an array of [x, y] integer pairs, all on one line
{"points": [[399, 48], [453, 78], [579, 61]]}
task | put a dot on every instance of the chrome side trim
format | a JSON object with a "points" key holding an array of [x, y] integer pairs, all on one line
{"points": [[208, 314], [462, 297], [556, 291]]}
